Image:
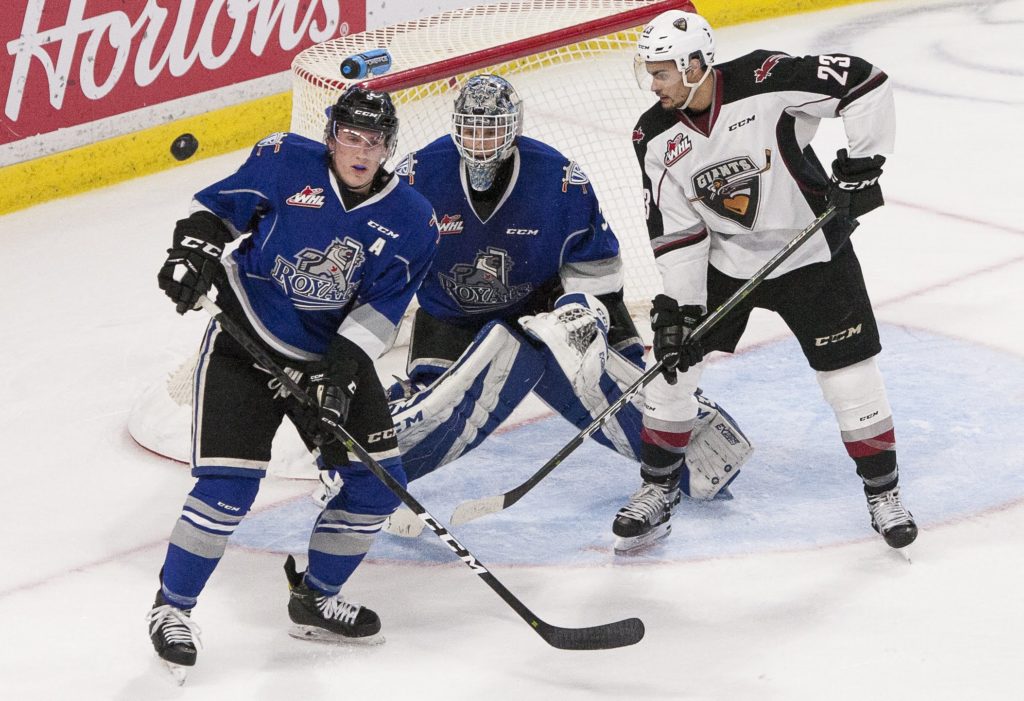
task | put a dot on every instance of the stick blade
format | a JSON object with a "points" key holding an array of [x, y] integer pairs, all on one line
{"points": [[604, 637], [475, 508]]}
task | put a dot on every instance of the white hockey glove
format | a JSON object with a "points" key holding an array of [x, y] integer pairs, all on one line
{"points": [[576, 334]]}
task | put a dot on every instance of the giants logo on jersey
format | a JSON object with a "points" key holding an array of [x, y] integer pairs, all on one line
{"points": [[309, 197], [482, 285], [638, 135], [320, 279], [677, 147], [762, 74], [732, 188], [449, 224]]}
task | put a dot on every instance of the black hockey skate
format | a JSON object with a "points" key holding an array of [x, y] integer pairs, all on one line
{"points": [[327, 618], [645, 518], [175, 636], [891, 519]]}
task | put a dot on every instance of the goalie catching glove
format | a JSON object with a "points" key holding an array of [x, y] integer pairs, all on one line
{"points": [[193, 260], [672, 327], [576, 334]]}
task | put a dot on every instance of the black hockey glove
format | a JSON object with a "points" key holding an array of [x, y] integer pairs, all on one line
{"points": [[854, 189], [672, 327], [193, 260], [332, 383]]}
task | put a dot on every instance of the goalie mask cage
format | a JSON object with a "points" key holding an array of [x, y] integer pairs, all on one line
{"points": [[571, 61]]}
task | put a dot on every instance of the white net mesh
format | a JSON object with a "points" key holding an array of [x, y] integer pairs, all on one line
{"points": [[570, 61]]}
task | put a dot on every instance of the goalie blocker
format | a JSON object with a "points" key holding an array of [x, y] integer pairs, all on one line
{"points": [[455, 400]]}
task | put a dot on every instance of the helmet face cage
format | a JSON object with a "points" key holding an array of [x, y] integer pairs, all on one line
{"points": [[366, 111], [486, 119], [675, 36]]}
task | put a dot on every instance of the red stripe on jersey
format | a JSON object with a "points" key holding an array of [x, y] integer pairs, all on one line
{"points": [[871, 446], [669, 440], [681, 243]]}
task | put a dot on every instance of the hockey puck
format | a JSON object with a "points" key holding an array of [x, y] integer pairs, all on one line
{"points": [[184, 146]]}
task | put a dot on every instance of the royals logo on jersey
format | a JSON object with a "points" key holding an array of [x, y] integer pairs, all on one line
{"points": [[482, 285], [320, 280]]}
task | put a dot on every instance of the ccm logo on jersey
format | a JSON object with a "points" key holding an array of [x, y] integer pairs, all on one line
{"points": [[382, 229], [836, 337], [677, 147], [522, 232], [449, 224], [381, 435], [742, 122], [308, 197], [761, 74]]}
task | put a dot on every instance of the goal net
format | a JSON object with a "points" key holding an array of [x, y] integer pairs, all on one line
{"points": [[569, 60]]}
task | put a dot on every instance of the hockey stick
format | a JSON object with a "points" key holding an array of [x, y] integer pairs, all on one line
{"points": [[475, 508], [610, 635]]}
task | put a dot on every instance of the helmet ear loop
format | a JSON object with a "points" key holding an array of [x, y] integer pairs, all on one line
{"points": [[692, 86]]}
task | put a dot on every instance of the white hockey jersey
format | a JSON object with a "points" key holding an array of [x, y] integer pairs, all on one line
{"points": [[734, 185]]}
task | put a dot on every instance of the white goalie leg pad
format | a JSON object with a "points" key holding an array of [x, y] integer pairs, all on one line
{"points": [[717, 450], [471, 399]]}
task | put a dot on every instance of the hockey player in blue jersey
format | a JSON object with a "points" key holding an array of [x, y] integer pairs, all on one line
{"points": [[525, 294], [317, 250]]}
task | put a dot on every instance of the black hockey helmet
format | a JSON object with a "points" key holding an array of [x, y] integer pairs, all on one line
{"points": [[364, 109]]}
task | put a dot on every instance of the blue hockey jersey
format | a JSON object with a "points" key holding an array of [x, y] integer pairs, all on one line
{"points": [[547, 224], [309, 267]]}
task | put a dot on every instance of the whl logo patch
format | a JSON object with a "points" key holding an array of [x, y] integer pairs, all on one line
{"points": [[308, 197], [450, 224], [677, 147], [732, 188]]}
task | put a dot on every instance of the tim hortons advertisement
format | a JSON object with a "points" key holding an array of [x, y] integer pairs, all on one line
{"points": [[68, 62]]}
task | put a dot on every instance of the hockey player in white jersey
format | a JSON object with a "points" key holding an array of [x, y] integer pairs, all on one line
{"points": [[524, 294], [317, 251], [729, 179]]}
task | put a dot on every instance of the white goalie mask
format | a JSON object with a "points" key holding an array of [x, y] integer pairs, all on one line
{"points": [[486, 119], [679, 37]]}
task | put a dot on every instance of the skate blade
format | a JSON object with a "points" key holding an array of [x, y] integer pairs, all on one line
{"points": [[630, 546], [178, 673], [320, 635]]}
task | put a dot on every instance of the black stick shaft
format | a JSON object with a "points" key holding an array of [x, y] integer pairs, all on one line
{"points": [[611, 635]]}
